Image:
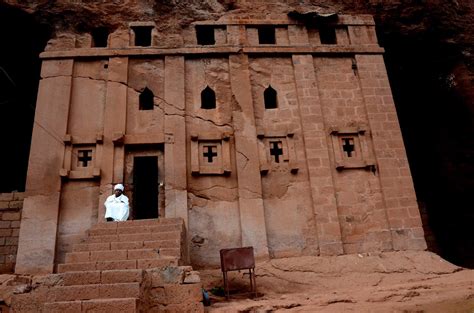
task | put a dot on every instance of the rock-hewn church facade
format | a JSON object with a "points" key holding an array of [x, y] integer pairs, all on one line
{"points": [[269, 132]]}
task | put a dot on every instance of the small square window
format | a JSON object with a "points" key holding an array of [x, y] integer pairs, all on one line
{"points": [[142, 35], [266, 35], [205, 35], [100, 37], [327, 35]]}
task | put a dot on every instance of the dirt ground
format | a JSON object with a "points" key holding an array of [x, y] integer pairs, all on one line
{"points": [[383, 282]]}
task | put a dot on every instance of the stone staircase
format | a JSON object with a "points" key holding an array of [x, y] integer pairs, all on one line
{"points": [[125, 267]]}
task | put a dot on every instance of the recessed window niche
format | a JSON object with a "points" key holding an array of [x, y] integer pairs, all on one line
{"points": [[142, 35], [205, 35], [270, 98], [100, 37], [208, 99], [266, 35], [146, 100]]}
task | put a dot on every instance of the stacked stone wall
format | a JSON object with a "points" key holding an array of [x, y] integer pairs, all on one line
{"points": [[11, 205], [214, 218], [291, 227], [359, 199]]}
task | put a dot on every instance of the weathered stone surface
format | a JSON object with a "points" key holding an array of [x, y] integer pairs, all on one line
{"points": [[192, 278]]}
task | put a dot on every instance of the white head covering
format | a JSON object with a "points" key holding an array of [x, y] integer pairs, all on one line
{"points": [[119, 187]]}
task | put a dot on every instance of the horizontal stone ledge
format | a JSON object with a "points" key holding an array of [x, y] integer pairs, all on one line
{"points": [[269, 49], [281, 20]]}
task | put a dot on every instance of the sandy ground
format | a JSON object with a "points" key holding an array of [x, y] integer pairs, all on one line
{"points": [[383, 282]]}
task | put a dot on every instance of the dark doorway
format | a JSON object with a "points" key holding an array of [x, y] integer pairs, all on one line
{"points": [[145, 180]]}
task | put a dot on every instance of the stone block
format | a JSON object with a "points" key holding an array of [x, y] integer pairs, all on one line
{"points": [[77, 257], [4, 232], [53, 68], [37, 243], [83, 41], [70, 293], [134, 230], [103, 239], [11, 258], [152, 263], [128, 305], [11, 216], [76, 267], [174, 252], [29, 302], [142, 254], [166, 275], [180, 308], [192, 277], [11, 241], [91, 247], [61, 307], [15, 204], [102, 231], [81, 278], [153, 236], [128, 245], [119, 39], [119, 290], [117, 265], [5, 224], [111, 255], [158, 244], [178, 294], [4, 205], [6, 197], [122, 276]]}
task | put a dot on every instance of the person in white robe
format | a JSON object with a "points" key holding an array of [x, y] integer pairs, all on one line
{"points": [[116, 205]]}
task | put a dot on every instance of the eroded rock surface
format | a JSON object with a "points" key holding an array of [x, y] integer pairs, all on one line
{"points": [[385, 282]]}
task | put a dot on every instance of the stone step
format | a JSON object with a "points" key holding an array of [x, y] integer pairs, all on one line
{"points": [[126, 245], [123, 305], [101, 277], [138, 223], [119, 255], [175, 235], [118, 265], [112, 255], [96, 291], [141, 229]]}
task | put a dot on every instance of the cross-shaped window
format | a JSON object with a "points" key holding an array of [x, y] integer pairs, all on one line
{"points": [[84, 157], [210, 152], [276, 150], [348, 146]]}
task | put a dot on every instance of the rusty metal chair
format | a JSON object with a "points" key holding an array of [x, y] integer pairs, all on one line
{"points": [[237, 259]]}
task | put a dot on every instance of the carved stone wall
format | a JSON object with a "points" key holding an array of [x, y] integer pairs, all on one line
{"points": [[267, 134], [10, 216]]}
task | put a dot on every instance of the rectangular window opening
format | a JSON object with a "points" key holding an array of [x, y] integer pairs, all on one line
{"points": [[142, 35], [327, 35], [205, 35], [266, 35], [100, 37]]}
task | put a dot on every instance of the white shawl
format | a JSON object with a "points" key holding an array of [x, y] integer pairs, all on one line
{"points": [[117, 207]]}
